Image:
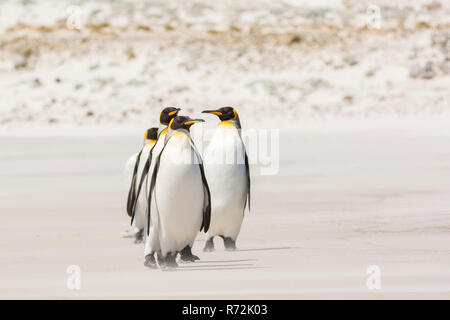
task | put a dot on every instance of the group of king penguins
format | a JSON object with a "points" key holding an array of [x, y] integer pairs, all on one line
{"points": [[174, 193]]}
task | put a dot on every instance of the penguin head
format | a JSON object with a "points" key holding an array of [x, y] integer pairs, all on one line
{"points": [[183, 122], [168, 114], [151, 134], [224, 114]]}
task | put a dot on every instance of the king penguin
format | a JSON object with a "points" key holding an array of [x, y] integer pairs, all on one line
{"points": [[136, 203], [228, 174], [133, 167], [179, 196]]}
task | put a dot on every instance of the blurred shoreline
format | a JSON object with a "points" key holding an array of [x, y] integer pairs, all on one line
{"points": [[413, 125], [302, 60]]}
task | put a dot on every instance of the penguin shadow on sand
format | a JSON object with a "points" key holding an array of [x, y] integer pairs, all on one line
{"points": [[232, 264], [269, 249], [201, 265]]}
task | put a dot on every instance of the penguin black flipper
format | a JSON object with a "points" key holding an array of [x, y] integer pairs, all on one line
{"points": [[152, 187], [143, 176], [247, 169], [131, 191], [207, 194], [247, 166], [206, 202]]}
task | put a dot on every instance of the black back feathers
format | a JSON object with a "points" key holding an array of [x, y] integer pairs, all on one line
{"points": [[247, 170], [131, 191]]}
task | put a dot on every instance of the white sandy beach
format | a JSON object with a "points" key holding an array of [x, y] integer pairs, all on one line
{"points": [[340, 202]]}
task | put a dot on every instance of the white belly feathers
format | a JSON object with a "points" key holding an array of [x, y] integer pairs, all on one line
{"points": [[226, 175]]}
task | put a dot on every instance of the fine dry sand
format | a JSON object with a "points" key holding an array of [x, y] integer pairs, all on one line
{"points": [[340, 203]]}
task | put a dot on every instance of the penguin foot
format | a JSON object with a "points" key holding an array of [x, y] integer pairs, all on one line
{"points": [[209, 245], [229, 243], [161, 260], [168, 263], [150, 261], [187, 256], [139, 236]]}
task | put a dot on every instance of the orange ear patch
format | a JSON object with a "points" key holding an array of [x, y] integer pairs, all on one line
{"points": [[170, 123]]}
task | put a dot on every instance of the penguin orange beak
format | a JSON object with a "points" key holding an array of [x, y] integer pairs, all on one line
{"points": [[191, 122], [174, 112], [216, 112]]}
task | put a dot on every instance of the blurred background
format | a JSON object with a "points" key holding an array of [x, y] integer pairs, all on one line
{"points": [[92, 63]]}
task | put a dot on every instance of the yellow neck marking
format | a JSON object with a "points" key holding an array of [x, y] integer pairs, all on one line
{"points": [[163, 133], [170, 124], [178, 133], [226, 123], [152, 142]]}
